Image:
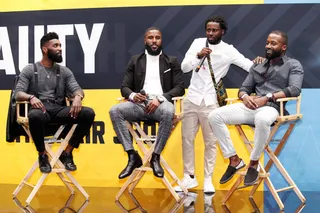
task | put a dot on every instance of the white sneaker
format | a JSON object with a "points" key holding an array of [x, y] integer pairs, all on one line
{"points": [[188, 182], [208, 186]]}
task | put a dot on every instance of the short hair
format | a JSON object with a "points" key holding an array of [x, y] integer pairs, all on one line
{"points": [[47, 37], [282, 34], [151, 28], [219, 19]]}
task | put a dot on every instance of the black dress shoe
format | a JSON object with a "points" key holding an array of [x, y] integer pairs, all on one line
{"points": [[44, 164], [67, 160], [133, 162], [156, 166]]}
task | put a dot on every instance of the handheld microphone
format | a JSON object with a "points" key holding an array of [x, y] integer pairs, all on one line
{"points": [[200, 64], [143, 92]]}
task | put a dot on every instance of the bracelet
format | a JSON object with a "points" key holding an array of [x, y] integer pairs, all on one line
{"points": [[30, 97], [81, 96], [244, 95]]}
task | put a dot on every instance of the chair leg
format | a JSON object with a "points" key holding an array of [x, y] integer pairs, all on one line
{"points": [[232, 190], [173, 175], [77, 185], [126, 184], [285, 174], [26, 178], [274, 193], [169, 186], [36, 188]]}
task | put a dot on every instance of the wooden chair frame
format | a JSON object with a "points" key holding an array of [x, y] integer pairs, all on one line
{"points": [[282, 119], [56, 164], [146, 143]]}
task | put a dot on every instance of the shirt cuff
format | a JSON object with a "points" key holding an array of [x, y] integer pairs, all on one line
{"points": [[195, 61], [131, 96]]}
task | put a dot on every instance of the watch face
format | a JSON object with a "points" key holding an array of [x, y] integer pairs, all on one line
{"points": [[160, 99], [269, 95]]}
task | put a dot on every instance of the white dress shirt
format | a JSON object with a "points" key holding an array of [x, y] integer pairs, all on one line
{"points": [[152, 84], [222, 56]]}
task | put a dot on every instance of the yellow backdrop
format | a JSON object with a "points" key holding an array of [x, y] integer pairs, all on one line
{"points": [[100, 164]]}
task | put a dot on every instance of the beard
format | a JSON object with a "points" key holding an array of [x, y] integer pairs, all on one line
{"points": [[215, 41], [273, 54], [55, 57], [151, 51]]}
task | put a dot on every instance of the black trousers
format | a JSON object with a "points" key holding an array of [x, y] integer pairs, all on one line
{"points": [[60, 115]]}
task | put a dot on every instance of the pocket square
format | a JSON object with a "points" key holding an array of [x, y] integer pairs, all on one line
{"points": [[167, 70]]}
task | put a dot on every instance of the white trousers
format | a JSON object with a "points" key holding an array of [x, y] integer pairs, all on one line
{"points": [[195, 116], [238, 113]]}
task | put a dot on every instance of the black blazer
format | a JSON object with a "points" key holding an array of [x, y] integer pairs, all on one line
{"points": [[171, 80]]}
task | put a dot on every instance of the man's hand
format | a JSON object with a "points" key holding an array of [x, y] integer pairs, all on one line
{"points": [[139, 98], [204, 52], [152, 106], [75, 107], [261, 101], [258, 60], [250, 102], [37, 104]]}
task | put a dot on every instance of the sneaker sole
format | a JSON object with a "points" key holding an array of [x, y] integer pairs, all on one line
{"points": [[190, 187], [232, 175]]}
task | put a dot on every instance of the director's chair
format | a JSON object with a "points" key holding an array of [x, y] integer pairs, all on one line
{"points": [[264, 174], [56, 164], [146, 143]]}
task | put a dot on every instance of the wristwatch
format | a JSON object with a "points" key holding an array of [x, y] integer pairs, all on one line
{"points": [[160, 99], [269, 96]]}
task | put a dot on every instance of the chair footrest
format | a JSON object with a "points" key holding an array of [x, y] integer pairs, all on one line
{"points": [[144, 169], [59, 170], [285, 188], [28, 184], [261, 175], [67, 181]]}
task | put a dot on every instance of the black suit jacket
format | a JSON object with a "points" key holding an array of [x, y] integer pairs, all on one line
{"points": [[171, 81]]}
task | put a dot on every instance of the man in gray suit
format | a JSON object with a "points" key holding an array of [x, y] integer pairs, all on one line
{"points": [[151, 81]]}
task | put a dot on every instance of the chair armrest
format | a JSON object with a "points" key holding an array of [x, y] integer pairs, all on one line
{"points": [[231, 100], [287, 99], [178, 106], [20, 118], [177, 98], [296, 116]]}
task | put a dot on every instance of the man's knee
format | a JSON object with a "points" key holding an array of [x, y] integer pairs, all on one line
{"points": [[167, 110], [215, 116], [88, 113], [36, 115], [114, 110], [262, 121]]}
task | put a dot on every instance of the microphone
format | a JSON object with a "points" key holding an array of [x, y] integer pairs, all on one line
{"points": [[143, 92], [200, 64]]}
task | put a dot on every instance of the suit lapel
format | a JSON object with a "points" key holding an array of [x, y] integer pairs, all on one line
{"points": [[161, 68], [143, 65]]}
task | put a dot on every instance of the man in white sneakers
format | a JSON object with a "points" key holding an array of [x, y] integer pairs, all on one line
{"points": [[201, 98]]}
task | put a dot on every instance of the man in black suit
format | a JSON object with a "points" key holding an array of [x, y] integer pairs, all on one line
{"points": [[151, 81]]}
